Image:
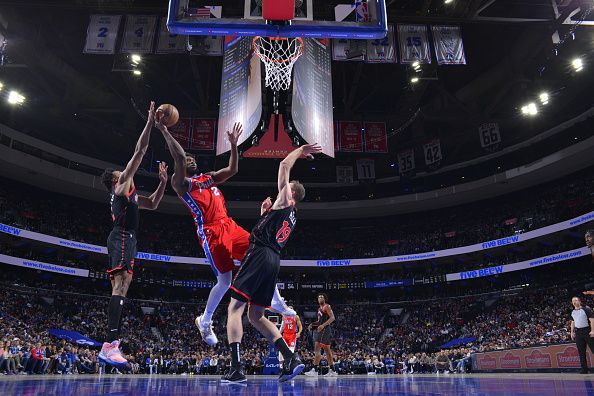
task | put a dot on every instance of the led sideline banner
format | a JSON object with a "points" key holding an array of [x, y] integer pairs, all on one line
{"points": [[537, 262], [553, 228], [38, 265], [549, 357]]}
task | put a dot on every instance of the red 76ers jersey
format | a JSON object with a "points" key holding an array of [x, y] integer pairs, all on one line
{"points": [[289, 326], [205, 200]]}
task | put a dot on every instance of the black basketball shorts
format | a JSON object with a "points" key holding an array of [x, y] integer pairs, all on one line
{"points": [[121, 249], [256, 279], [324, 337]]}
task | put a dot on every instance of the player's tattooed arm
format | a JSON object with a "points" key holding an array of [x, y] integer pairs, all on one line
{"points": [[154, 200], [123, 185], [330, 319], [178, 180], [231, 170]]}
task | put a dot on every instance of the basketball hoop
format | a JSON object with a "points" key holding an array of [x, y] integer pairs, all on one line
{"points": [[279, 55]]}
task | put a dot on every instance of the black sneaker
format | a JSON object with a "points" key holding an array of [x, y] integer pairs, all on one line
{"points": [[291, 368], [233, 376]]}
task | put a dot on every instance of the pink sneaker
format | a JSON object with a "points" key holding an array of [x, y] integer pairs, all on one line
{"points": [[110, 354]]}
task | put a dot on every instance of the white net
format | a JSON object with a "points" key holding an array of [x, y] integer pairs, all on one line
{"points": [[279, 55]]}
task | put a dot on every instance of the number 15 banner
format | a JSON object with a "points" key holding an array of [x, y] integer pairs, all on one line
{"points": [[414, 44], [139, 34]]}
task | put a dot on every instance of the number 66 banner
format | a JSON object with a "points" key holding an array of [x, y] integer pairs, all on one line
{"points": [[139, 34]]}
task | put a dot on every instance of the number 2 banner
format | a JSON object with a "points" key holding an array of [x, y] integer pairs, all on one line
{"points": [[414, 44], [102, 34], [139, 34]]}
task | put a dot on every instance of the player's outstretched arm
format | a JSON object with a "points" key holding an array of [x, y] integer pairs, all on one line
{"points": [[154, 200], [231, 170], [284, 173], [178, 180], [123, 185]]}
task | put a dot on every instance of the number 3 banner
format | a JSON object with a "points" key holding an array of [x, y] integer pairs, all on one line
{"points": [[102, 34], [413, 43], [139, 34]]}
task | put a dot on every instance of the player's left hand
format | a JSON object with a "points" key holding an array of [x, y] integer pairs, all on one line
{"points": [[321, 327], [163, 172], [151, 112], [267, 203], [234, 135], [310, 149]]}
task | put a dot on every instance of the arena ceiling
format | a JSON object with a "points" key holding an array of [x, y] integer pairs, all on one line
{"points": [[78, 102]]}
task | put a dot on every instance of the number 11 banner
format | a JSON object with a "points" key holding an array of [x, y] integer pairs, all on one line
{"points": [[139, 34], [414, 44]]}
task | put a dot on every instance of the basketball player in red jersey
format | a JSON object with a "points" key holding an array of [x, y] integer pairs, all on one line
{"points": [[323, 336], [121, 243], [221, 238], [291, 329]]}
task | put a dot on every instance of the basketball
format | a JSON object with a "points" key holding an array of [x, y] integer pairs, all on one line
{"points": [[168, 113]]}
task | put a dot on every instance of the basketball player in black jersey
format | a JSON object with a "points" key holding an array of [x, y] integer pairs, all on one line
{"points": [[322, 336], [121, 243], [589, 238], [255, 281]]}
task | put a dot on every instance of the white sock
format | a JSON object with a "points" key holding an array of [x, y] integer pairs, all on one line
{"points": [[216, 295]]}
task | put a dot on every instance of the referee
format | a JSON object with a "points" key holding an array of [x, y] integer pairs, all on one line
{"points": [[582, 330]]}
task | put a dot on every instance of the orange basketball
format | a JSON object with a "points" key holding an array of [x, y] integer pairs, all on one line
{"points": [[168, 113]]}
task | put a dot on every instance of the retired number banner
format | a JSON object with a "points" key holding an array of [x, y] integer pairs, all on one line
{"points": [[102, 34], [489, 134], [351, 136], [382, 50], [413, 43], [432, 152], [449, 48], [203, 134], [376, 139], [168, 43], [139, 34], [406, 161]]}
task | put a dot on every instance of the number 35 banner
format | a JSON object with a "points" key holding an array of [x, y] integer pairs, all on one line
{"points": [[413, 43], [102, 34], [139, 34]]}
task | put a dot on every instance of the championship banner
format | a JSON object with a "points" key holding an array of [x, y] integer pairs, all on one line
{"points": [[168, 43], [432, 151], [344, 174], [139, 34], [203, 134], [376, 139], [365, 169], [382, 50], [351, 137], [489, 135], [406, 161], [413, 43], [549, 357], [181, 132], [102, 34], [336, 136], [449, 48]]}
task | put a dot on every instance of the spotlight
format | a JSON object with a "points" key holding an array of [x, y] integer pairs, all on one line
{"points": [[1, 86], [15, 98], [544, 98], [137, 72], [136, 59], [532, 109], [577, 64], [414, 80], [448, 1]]}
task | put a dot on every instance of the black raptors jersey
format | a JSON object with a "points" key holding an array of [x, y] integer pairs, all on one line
{"points": [[124, 210], [273, 228], [322, 316]]}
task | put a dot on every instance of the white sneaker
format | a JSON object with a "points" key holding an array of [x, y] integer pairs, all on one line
{"points": [[311, 373], [206, 331], [331, 373], [281, 308]]}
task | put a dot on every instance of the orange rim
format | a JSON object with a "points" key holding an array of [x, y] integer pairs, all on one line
{"points": [[256, 48]]}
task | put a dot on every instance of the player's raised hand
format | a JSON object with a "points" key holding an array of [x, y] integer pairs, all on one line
{"points": [[310, 149], [234, 135], [163, 172], [267, 203], [151, 112]]}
